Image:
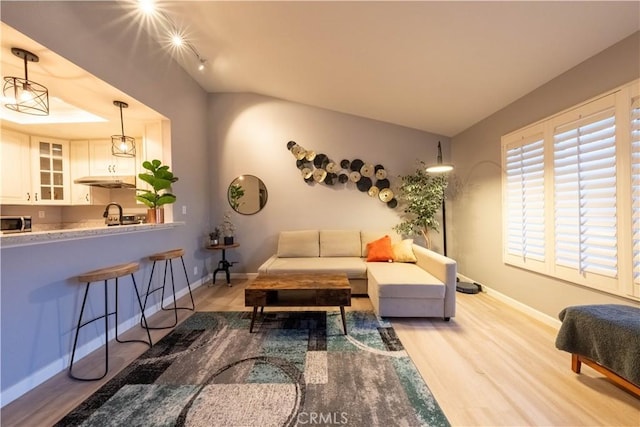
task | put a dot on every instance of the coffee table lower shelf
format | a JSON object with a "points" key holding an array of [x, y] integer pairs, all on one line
{"points": [[298, 290]]}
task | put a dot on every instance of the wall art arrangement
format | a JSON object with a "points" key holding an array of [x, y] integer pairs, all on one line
{"points": [[320, 169]]}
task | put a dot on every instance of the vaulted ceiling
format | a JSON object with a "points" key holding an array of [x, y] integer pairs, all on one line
{"points": [[435, 66]]}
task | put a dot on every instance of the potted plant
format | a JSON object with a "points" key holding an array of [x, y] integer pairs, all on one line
{"points": [[214, 237], [227, 228], [160, 179], [421, 196]]}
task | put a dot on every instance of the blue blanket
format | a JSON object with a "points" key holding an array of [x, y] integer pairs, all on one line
{"points": [[608, 334]]}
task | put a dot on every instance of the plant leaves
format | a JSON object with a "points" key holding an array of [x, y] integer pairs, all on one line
{"points": [[421, 195]]}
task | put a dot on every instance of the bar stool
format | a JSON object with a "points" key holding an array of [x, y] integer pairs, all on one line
{"points": [[106, 274], [168, 258]]}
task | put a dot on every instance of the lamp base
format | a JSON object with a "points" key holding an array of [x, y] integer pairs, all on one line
{"points": [[467, 288]]}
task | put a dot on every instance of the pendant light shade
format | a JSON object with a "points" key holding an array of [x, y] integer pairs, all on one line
{"points": [[439, 167], [122, 145], [24, 95]]}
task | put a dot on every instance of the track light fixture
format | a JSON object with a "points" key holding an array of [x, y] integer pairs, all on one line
{"points": [[176, 37], [122, 145], [24, 95]]}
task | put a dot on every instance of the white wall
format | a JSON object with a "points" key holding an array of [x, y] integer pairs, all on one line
{"points": [[39, 298], [476, 241], [250, 133]]}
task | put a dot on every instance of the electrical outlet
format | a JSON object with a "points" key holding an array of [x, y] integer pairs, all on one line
{"points": [[195, 270], [184, 210], [40, 214]]}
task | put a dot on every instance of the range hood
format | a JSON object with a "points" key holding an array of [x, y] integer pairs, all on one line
{"points": [[108, 181]]}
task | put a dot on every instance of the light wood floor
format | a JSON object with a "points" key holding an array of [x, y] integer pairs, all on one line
{"points": [[491, 365]]}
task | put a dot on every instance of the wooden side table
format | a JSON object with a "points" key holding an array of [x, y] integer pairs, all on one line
{"points": [[223, 264]]}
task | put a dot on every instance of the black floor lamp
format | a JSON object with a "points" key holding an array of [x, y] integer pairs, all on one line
{"points": [[439, 167]]}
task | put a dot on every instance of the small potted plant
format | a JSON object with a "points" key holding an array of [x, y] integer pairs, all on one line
{"points": [[160, 179], [227, 228], [214, 237]]}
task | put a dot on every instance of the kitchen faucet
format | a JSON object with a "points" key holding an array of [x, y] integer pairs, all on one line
{"points": [[106, 214]]}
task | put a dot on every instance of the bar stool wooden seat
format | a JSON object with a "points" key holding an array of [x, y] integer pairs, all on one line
{"points": [[167, 257], [106, 274]]}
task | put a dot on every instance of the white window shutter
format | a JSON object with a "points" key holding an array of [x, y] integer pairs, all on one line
{"points": [[585, 194], [635, 186], [524, 170]]}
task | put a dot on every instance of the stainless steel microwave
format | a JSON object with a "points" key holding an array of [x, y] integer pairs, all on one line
{"points": [[15, 224]]}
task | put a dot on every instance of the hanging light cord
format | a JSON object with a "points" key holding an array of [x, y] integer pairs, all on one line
{"points": [[121, 120], [26, 73]]}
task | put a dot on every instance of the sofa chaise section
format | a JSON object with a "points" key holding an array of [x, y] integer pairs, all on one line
{"points": [[424, 289]]}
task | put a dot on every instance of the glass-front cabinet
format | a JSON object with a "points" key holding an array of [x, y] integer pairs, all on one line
{"points": [[50, 178]]}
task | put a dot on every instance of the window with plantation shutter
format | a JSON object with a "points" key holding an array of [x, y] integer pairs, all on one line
{"points": [[525, 199], [571, 194], [585, 193], [635, 186]]}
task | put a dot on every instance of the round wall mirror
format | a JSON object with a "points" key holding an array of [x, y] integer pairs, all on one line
{"points": [[247, 194]]}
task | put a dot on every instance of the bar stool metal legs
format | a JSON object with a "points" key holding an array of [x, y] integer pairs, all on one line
{"points": [[105, 275], [168, 258]]}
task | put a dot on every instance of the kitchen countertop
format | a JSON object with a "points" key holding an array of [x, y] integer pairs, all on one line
{"points": [[50, 236]]}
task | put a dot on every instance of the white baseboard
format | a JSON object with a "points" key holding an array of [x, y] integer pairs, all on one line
{"points": [[15, 391], [538, 315]]}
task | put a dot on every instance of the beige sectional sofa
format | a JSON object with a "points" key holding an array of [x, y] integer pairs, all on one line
{"points": [[424, 288]]}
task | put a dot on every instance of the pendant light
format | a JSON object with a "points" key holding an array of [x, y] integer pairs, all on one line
{"points": [[24, 95], [122, 145]]}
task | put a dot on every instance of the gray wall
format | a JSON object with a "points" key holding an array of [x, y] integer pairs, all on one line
{"points": [[214, 139], [250, 134], [39, 301], [217, 137], [476, 235]]}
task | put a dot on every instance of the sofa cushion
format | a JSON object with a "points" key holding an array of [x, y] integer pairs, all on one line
{"points": [[380, 250], [403, 251], [403, 280], [354, 267], [302, 243], [339, 243], [368, 236]]}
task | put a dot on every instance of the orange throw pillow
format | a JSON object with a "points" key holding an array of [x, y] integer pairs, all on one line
{"points": [[380, 250]]}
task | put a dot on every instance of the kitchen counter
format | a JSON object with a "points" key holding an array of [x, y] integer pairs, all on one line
{"points": [[41, 237]]}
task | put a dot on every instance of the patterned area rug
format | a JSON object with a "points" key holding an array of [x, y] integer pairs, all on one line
{"points": [[295, 369]]}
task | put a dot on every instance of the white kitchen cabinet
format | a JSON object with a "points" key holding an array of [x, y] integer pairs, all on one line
{"points": [[79, 167], [104, 163], [153, 140], [82, 194], [15, 176], [50, 176]]}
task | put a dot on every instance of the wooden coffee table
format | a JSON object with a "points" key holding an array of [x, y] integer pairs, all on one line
{"points": [[298, 290]]}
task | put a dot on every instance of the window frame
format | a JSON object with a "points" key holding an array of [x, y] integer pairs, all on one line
{"points": [[620, 100]]}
